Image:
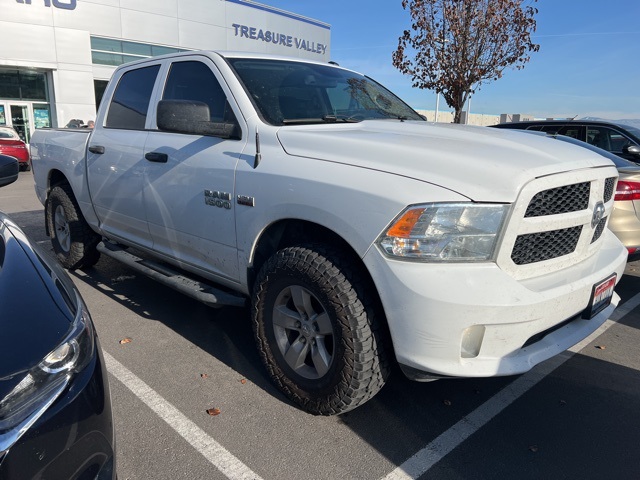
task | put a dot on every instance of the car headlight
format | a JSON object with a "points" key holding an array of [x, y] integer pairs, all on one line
{"points": [[445, 232], [45, 382]]}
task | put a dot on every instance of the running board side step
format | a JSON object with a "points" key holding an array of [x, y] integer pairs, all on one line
{"points": [[203, 292]]}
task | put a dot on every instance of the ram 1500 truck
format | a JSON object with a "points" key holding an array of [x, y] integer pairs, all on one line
{"points": [[360, 233]]}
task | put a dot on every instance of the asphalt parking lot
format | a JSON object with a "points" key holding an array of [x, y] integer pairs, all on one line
{"points": [[574, 416]]}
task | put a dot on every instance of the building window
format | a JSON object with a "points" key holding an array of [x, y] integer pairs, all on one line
{"points": [[41, 115], [99, 86], [107, 51], [23, 85]]}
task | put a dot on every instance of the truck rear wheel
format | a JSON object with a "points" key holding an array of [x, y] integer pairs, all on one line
{"points": [[73, 240], [316, 332]]}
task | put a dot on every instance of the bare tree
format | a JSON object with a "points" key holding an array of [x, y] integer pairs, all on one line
{"points": [[454, 46]]}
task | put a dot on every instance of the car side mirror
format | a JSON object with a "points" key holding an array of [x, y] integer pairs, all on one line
{"points": [[8, 170], [191, 117], [631, 150]]}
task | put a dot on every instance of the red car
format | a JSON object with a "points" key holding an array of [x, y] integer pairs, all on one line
{"points": [[12, 145]]}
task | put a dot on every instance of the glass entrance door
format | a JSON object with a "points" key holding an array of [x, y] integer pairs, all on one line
{"points": [[20, 121]]}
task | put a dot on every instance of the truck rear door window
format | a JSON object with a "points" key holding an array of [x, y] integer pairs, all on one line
{"points": [[130, 102]]}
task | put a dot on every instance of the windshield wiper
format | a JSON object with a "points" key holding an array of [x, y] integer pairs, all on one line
{"points": [[342, 118], [302, 121], [386, 114], [324, 119]]}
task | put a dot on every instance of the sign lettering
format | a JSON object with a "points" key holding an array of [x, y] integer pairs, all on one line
{"points": [[66, 5], [277, 38]]}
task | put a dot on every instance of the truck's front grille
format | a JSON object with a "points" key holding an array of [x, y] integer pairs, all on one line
{"points": [[568, 198], [551, 224], [608, 188], [599, 229], [537, 247]]}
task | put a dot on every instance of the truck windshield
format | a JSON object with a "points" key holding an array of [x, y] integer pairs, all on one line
{"points": [[295, 93]]}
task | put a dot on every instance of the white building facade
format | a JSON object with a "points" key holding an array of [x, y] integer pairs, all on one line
{"points": [[61, 53]]}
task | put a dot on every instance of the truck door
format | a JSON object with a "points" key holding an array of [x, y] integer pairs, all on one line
{"points": [[115, 160], [189, 181]]}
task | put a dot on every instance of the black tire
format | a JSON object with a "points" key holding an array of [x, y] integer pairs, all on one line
{"points": [[323, 347], [73, 240]]}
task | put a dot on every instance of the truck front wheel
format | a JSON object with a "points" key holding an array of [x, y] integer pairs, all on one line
{"points": [[73, 240], [316, 332]]}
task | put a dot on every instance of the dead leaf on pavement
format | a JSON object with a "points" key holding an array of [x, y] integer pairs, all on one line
{"points": [[243, 381], [204, 375], [125, 340], [447, 403], [213, 411], [533, 448], [601, 347]]}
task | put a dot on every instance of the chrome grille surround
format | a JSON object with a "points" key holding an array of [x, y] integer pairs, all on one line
{"points": [[535, 245]]}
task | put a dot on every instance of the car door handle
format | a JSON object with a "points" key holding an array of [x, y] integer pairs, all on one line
{"points": [[99, 149], [156, 157]]}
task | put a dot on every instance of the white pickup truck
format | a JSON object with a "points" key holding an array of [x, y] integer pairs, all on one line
{"points": [[357, 231]]}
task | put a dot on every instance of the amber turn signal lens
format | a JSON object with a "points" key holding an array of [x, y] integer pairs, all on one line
{"points": [[404, 225]]}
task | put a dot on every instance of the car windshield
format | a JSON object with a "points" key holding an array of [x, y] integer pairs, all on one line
{"points": [[296, 93], [8, 133]]}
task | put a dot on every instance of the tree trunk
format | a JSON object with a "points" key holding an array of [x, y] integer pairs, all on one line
{"points": [[457, 114]]}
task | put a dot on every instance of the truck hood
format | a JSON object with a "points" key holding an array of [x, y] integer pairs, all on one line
{"points": [[483, 164]]}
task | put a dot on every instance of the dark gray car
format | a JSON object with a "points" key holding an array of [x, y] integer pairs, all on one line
{"points": [[55, 407], [621, 140]]}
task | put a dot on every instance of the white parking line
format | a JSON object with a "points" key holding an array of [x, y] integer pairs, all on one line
{"points": [[422, 461], [216, 454]]}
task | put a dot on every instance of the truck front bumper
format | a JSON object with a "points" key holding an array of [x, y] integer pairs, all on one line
{"points": [[474, 320]]}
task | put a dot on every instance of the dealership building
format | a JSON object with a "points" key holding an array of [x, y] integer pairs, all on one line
{"points": [[61, 53]]}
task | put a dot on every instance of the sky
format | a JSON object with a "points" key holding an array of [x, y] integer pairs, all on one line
{"points": [[588, 63]]}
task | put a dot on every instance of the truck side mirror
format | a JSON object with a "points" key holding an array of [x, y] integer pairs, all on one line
{"points": [[8, 170], [191, 117]]}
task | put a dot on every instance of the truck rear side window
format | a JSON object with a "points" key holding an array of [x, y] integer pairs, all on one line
{"points": [[130, 102]]}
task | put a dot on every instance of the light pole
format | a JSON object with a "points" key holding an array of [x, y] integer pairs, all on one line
{"points": [[468, 110], [441, 44]]}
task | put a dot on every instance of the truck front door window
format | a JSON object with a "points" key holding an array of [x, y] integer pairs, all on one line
{"points": [[195, 81]]}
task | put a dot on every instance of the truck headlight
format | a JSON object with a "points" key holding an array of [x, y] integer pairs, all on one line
{"points": [[43, 384], [445, 232]]}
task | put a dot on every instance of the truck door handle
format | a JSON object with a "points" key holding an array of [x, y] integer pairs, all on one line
{"points": [[96, 149], [156, 157]]}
